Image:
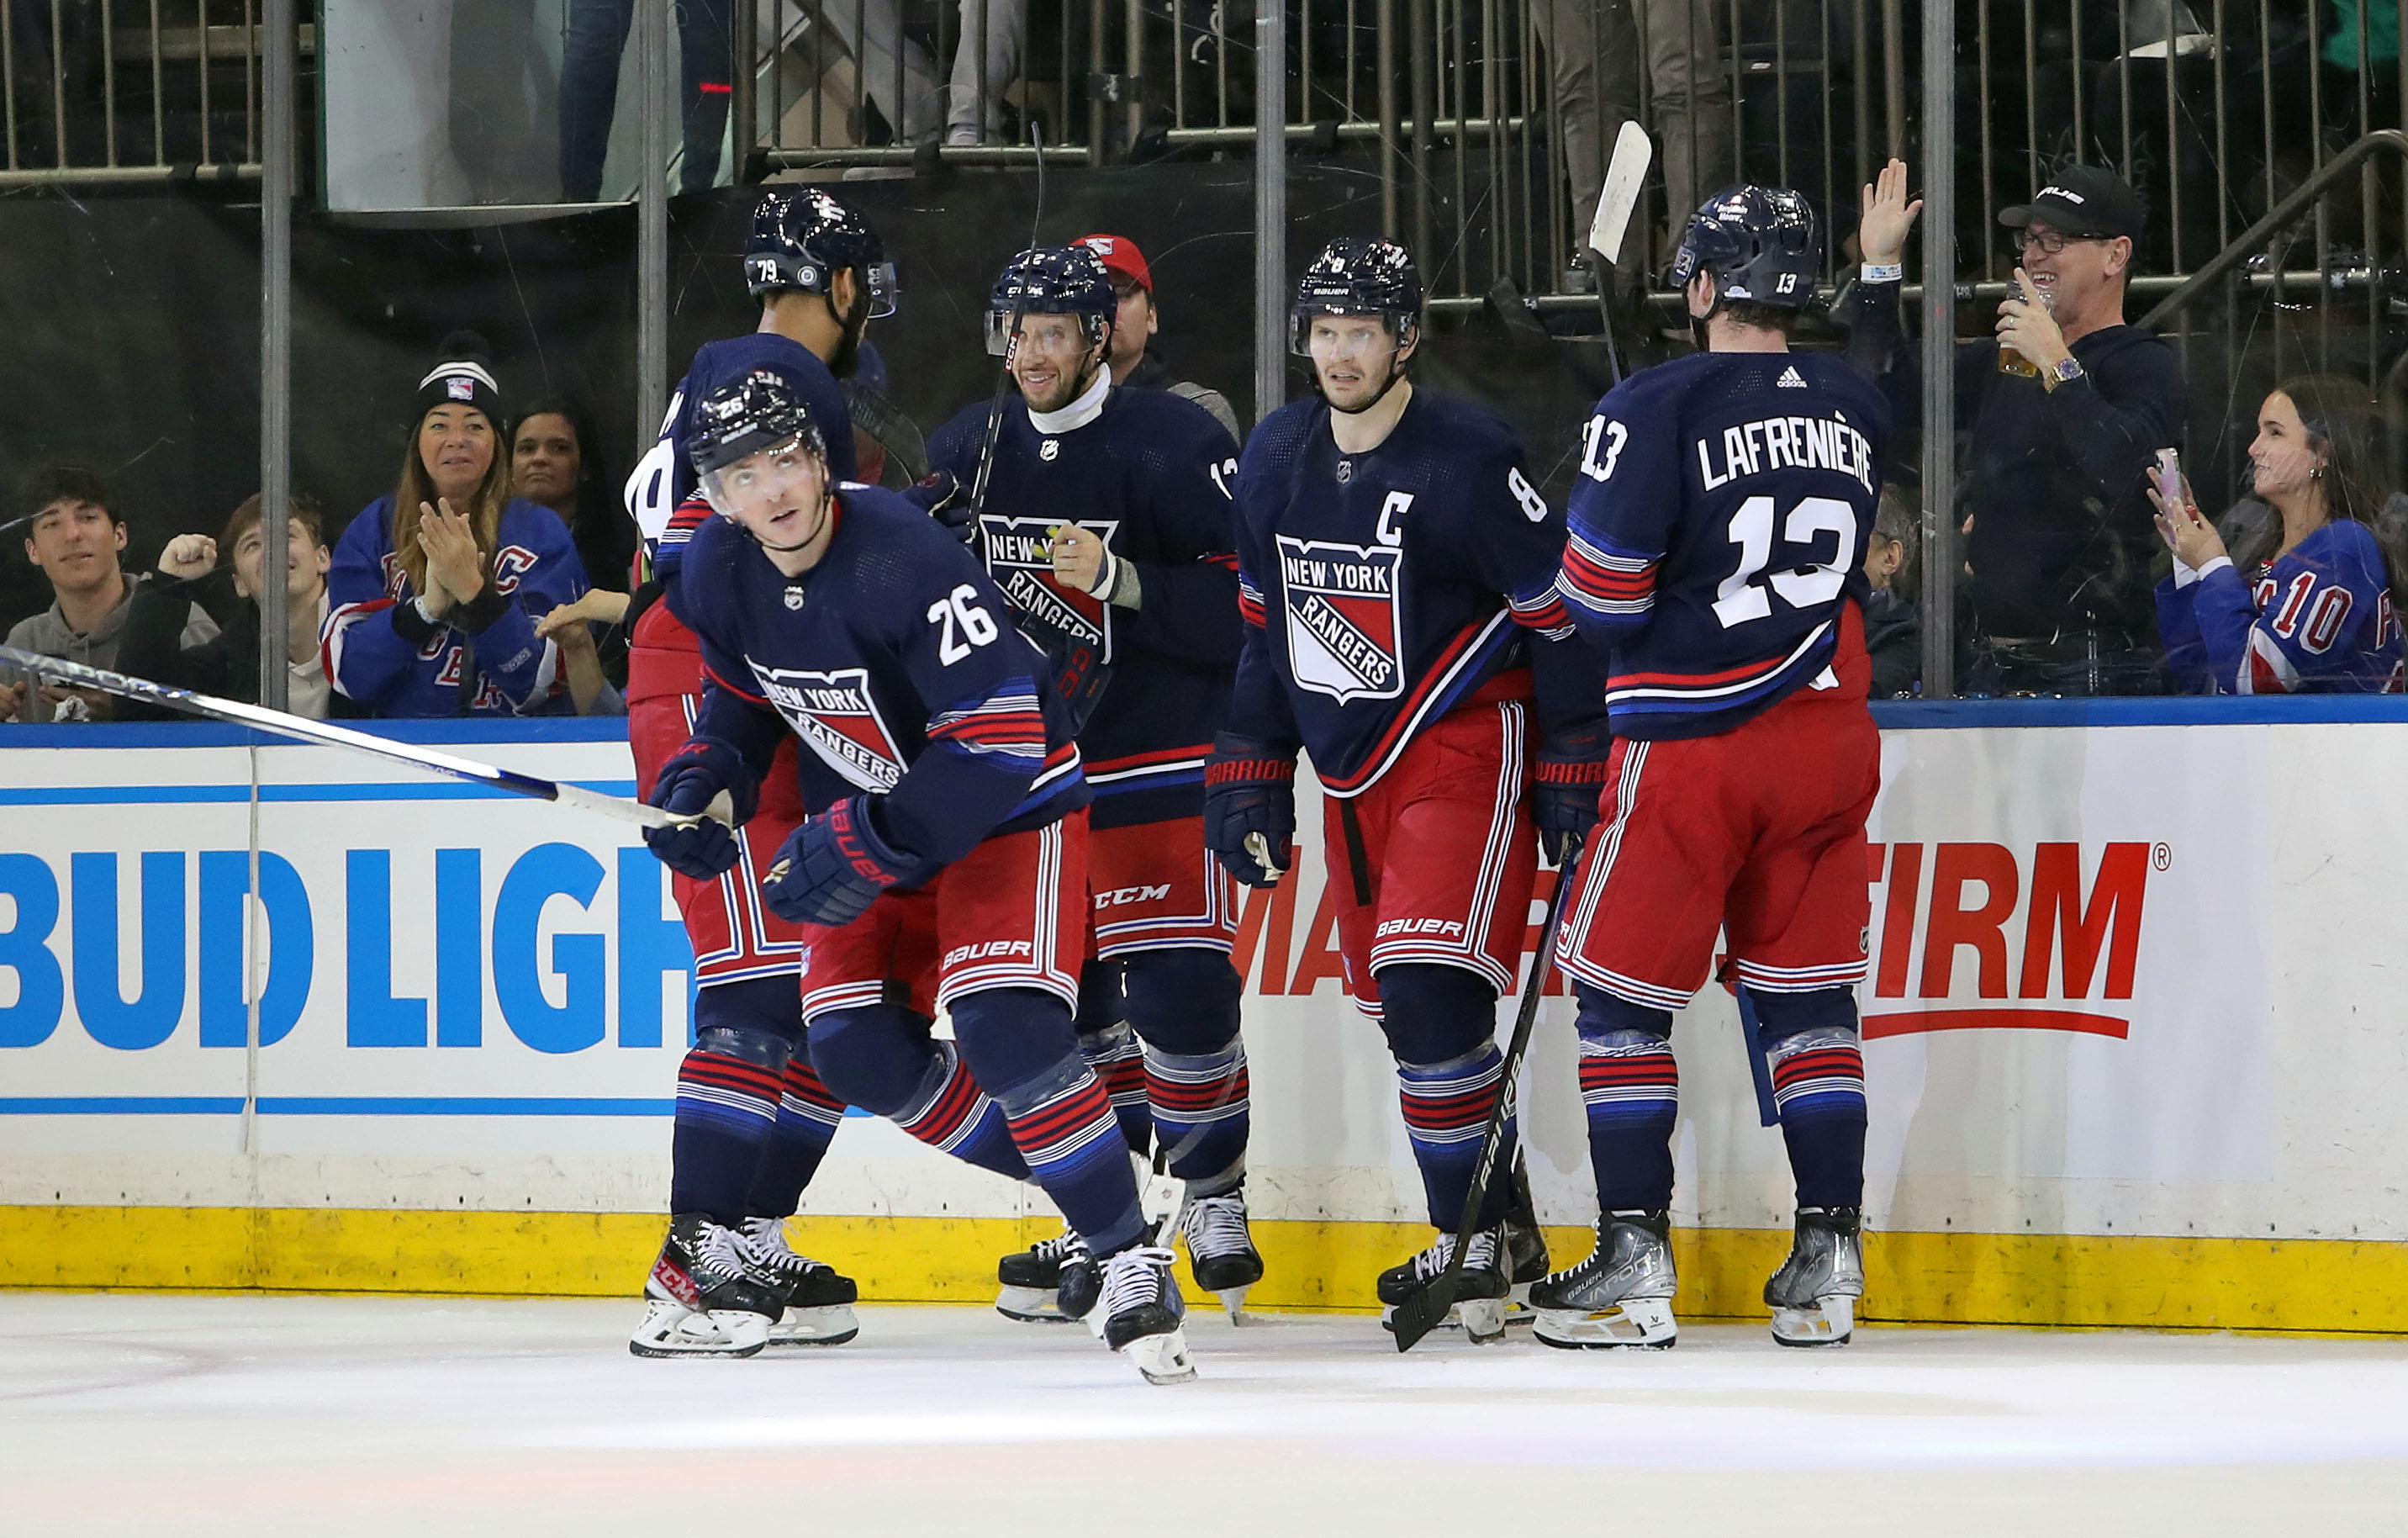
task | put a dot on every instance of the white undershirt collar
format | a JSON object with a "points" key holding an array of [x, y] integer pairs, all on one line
{"points": [[1079, 412]]}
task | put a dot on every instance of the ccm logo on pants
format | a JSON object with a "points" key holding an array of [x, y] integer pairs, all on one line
{"points": [[1132, 893]]}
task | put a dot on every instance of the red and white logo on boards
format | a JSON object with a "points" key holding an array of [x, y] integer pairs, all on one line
{"points": [[837, 717], [2045, 948], [1344, 628]]}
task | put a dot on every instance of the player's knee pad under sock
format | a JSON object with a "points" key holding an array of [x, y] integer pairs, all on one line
{"points": [[1117, 1058], [1020, 1044], [1201, 1114], [1447, 1106], [876, 1056], [1183, 999], [1434, 1014], [808, 1116], [1818, 1089], [951, 1114], [1630, 1091]]}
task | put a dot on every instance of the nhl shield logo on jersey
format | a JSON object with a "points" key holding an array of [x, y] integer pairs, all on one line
{"points": [[1343, 628], [837, 717], [1019, 554]]}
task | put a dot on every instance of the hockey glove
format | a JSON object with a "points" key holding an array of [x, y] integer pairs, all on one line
{"points": [[707, 782], [1250, 809], [948, 501], [830, 869], [1566, 789]]}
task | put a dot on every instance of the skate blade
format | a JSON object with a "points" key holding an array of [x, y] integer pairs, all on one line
{"points": [[1833, 1323], [1643, 1324], [1031, 1306], [671, 1330], [831, 1326], [1163, 1359], [1234, 1300], [1517, 1305], [1482, 1318]]}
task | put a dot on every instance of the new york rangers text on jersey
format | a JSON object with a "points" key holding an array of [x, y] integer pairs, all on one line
{"points": [[1718, 524]]}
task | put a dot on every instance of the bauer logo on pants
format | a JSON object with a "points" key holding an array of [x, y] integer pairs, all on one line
{"points": [[836, 716], [1019, 554], [1342, 623]]}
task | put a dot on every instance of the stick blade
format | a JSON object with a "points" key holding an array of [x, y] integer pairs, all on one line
{"points": [[1626, 178], [1422, 1313]]}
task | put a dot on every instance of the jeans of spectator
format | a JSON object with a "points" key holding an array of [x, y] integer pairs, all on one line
{"points": [[589, 89], [1594, 48], [990, 35], [2083, 663], [504, 116]]}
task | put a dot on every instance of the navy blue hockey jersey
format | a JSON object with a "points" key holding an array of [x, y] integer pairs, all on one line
{"points": [[894, 663], [2317, 620], [1381, 589], [1150, 473], [1718, 525], [662, 494]]}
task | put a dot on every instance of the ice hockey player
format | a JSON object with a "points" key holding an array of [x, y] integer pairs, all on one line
{"points": [[1106, 523], [1717, 552], [1398, 578], [943, 854], [752, 1120]]}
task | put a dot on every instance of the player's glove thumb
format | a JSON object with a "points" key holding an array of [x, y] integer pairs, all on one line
{"points": [[830, 869], [706, 784], [1250, 809], [1567, 792], [948, 501]]}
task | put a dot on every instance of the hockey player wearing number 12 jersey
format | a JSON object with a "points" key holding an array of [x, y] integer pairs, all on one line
{"points": [[1106, 523], [1716, 560], [1397, 580]]}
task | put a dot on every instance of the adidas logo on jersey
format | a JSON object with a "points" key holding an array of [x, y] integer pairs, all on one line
{"points": [[1791, 378]]}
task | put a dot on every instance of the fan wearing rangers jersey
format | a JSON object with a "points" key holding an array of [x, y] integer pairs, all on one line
{"points": [[752, 1119], [1397, 580], [1105, 519], [942, 864], [1716, 558]]}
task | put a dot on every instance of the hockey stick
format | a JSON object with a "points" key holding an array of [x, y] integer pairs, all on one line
{"points": [[1424, 1312], [1758, 1071], [303, 729], [1626, 178]]}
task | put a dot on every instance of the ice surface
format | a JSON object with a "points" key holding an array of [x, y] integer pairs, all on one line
{"points": [[150, 1414]]}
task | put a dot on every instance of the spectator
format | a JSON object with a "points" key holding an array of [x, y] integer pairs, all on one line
{"points": [[2302, 605], [589, 91], [572, 626], [228, 664], [2056, 447], [986, 51], [437, 588], [1133, 362], [1892, 624], [553, 465], [76, 539]]}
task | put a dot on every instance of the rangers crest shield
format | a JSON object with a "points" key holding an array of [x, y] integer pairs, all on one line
{"points": [[837, 717], [1018, 554], [1344, 626]]}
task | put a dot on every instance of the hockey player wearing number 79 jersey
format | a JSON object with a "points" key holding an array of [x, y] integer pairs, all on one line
{"points": [[1716, 558]]}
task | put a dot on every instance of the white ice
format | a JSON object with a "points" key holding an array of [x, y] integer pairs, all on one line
{"points": [[157, 1415]]}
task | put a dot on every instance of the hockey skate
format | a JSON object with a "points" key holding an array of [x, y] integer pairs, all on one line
{"points": [[1223, 1253], [1813, 1295], [819, 1301], [1053, 1282], [1526, 1249], [1480, 1302], [700, 1300], [1141, 1309], [1621, 1296]]}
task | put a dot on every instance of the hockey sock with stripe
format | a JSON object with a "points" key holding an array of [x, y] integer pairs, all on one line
{"points": [[955, 1116], [881, 1059], [1020, 1043], [808, 1115], [1201, 1114], [1119, 1060], [1811, 1045], [1446, 1108], [1630, 1089], [725, 1108]]}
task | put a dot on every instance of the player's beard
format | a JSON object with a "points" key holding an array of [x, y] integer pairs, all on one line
{"points": [[1396, 377]]}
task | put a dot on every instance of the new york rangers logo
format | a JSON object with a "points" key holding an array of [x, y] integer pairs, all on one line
{"points": [[1019, 555], [837, 717], [1344, 631]]}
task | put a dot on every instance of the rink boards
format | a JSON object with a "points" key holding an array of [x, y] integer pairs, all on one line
{"points": [[2132, 1054]]}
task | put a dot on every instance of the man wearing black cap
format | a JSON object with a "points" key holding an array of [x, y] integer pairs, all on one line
{"points": [[2062, 418]]}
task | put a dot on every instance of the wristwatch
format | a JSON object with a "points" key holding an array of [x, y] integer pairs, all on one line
{"points": [[2068, 370]]}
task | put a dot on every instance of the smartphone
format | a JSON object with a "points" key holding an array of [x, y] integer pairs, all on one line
{"points": [[2169, 480]]}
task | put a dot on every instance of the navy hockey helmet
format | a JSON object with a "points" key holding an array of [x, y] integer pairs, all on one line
{"points": [[803, 237], [742, 418], [1758, 244], [1051, 281], [1357, 276]]}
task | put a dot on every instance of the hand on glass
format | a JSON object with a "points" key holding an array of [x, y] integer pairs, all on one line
{"points": [[1888, 215]]}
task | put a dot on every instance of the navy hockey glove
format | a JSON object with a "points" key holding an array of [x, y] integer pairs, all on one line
{"points": [[1250, 809], [948, 501], [1566, 789], [830, 869], [708, 782]]}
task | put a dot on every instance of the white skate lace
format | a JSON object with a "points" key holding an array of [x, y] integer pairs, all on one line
{"points": [[1216, 1226], [1065, 1245], [1482, 1256], [719, 1252], [1134, 1278], [764, 1243]]}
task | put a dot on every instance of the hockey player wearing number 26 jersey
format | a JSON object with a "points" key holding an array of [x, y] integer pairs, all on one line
{"points": [[1718, 533], [1396, 575]]}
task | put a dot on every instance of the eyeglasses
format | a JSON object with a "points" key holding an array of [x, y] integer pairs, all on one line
{"points": [[2049, 240]]}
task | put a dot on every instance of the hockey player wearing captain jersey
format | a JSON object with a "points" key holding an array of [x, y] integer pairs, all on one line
{"points": [[1398, 578], [943, 854], [1716, 558], [752, 1118], [1105, 519]]}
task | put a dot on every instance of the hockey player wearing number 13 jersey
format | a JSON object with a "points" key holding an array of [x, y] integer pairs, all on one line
{"points": [[1718, 533], [1398, 578]]}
